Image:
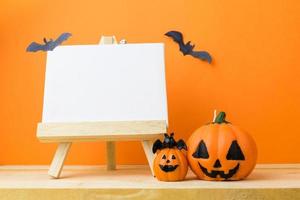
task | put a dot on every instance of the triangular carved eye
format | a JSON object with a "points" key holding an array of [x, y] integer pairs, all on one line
{"points": [[235, 152], [201, 151]]}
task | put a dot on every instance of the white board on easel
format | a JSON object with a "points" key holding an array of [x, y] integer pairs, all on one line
{"points": [[107, 92], [105, 83]]}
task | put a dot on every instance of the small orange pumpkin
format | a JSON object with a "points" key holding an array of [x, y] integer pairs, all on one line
{"points": [[221, 151], [170, 163]]}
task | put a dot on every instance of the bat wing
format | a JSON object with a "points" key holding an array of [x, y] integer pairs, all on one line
{"points": [[60, 39], [181, 145], [157, 145], [203, 55], [176, 36], [33, 47]]}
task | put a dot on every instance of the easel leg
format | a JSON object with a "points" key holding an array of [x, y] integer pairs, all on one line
{"points": [[110, 156], [147, 145], [59, 159]]}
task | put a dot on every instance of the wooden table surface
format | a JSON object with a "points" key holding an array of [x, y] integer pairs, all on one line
{"points": [[135, 182]]}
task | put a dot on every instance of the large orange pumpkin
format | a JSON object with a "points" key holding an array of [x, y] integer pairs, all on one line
{"points": [[170, 163], [221, 151]]}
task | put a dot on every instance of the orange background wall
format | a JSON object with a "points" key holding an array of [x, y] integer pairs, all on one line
{"points": [[254, 76]]}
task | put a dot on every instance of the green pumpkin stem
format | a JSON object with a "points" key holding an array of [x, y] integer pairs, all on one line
{"points": [[221, 118]]}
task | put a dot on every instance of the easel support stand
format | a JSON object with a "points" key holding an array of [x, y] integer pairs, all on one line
{"points": [[66, 133]]}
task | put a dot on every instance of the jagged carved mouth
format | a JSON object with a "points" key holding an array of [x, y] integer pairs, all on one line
{"points": [[168, 168], [222, 174]]}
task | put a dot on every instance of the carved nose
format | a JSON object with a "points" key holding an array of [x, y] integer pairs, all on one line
{"points": [[217, 164], [168, 161]]}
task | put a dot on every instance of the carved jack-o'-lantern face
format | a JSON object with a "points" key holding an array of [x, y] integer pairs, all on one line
{"points": [[170, 163], [221, 151], [168, 160]]}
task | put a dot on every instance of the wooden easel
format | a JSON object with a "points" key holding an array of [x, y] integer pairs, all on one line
{"points": [[66, 133]]}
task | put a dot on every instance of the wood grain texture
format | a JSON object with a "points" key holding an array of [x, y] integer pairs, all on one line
{"points": [[108, 40], [274, 182], [150, 194], [147, 146], [93, 131], [59, 159], [110, 155]]}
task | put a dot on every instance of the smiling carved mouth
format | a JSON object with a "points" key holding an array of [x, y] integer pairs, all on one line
{"points": [[215, 173], [168, 168]]}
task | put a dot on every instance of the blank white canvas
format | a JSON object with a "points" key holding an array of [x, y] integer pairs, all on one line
{"points": [[105, 83]]}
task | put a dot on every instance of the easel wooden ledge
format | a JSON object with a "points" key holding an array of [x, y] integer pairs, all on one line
{"points": [[66, 133]]}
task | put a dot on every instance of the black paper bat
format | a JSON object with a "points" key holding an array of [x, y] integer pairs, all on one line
{"points": [[49, 45], [187, 49], [169, 142]]}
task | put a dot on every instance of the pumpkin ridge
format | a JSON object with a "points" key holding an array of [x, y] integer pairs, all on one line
{"points": [[183, 171]]}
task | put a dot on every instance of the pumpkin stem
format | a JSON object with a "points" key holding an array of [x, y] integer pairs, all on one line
{"points": [[221, 118]]}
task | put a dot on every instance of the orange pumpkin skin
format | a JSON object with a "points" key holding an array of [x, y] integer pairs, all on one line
{"points": [[170, 163], [170, 157], [231, 152]]}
